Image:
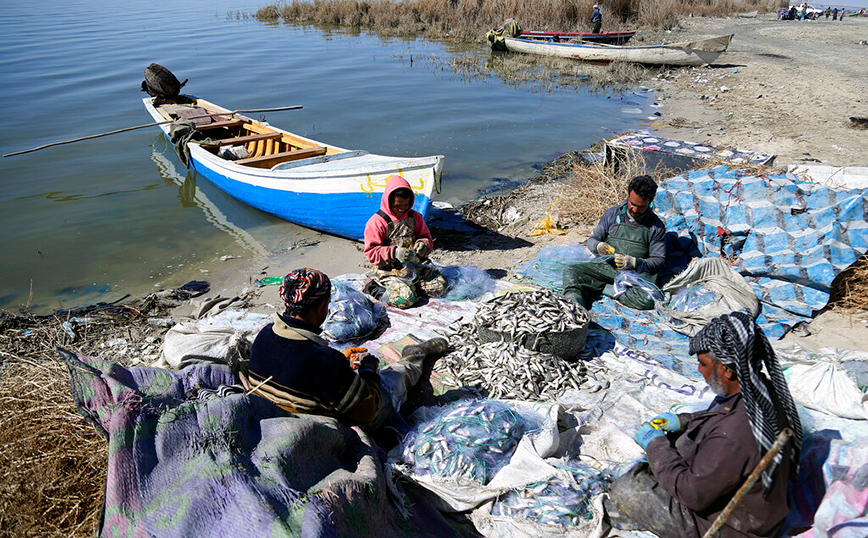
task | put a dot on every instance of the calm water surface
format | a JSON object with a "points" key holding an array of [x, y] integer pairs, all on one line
{"points": [[95, 220]]}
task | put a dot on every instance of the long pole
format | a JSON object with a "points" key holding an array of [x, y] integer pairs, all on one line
{"points": [[776, 447], [292, 107]]}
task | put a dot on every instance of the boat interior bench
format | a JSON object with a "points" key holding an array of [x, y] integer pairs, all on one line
{"points": [[220, 124], [238, 140], [267, 161]]}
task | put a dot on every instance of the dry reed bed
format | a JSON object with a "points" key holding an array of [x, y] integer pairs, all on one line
{"points": [[52, 461], [469, 19]]}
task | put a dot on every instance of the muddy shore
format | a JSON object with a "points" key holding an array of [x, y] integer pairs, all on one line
{"points": [[783, 87]]}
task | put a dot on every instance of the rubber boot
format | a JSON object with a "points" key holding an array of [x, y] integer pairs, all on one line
{"points": [[429, 348]]}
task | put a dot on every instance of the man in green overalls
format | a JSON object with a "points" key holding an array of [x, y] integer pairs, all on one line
{"points": [[629, 237]]}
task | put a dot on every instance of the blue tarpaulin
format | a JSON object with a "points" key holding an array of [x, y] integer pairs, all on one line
{"points": [[789, 238]]}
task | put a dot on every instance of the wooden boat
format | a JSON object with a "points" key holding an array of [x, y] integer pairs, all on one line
{"points": [[695, 53], [298, 179], [608, 38]]}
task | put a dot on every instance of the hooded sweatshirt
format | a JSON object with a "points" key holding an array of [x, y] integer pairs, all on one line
{"points": [[383, 236]]}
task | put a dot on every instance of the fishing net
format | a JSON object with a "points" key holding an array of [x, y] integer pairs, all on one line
{"points": [[468, 439], [466, 282], [555, 501], [352, 316], [547, 268], [627, 279]]}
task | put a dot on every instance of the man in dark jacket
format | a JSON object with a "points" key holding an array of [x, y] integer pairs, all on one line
{"points": [[596, 19], [629, 237], [697, 461], [293, 367]]}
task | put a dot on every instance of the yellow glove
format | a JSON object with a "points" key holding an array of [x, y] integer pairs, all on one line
{"points": [[605, 249], [355, 355], [625, 262]]}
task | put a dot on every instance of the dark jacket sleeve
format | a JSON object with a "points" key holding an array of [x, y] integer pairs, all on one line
{"points": [[359, 400], [720, 461]]}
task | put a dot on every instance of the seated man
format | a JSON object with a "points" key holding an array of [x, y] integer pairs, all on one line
{"points": [[397, 244], [293, 367], [629, 236], [697, 461]]}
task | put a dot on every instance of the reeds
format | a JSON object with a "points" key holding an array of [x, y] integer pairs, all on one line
{"points": [[470, 19], [52, 462]]}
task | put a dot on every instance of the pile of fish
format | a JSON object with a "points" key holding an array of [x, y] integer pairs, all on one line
{"points": [[555, 502], [509, 370], [470, 439]]}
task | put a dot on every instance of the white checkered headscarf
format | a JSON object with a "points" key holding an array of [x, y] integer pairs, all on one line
{"points": [[742, 347]]}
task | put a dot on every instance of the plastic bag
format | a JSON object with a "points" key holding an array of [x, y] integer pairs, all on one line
{"points": [[555, 501], [627, 279], [466, 282], [352, 316], [692, 298], [468, 439]]}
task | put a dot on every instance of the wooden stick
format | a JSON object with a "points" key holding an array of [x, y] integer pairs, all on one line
{"points": [[776, 447], [293, 107], [256, 388]]}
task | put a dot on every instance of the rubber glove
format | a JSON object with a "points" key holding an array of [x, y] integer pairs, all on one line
{"points": [[625, 262], [605, 249], [645, 433], [368, 366], [355, 355], [403, 254], [421, 249], [668, 422]]}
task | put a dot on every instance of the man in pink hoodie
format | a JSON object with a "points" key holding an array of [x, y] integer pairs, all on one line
{"points": [[397, 243]]}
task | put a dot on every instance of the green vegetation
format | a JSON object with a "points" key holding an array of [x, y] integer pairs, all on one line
{"points": [[468, 20]]}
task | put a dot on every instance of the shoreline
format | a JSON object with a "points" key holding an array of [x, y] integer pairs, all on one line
{"points": [[716, 105]]}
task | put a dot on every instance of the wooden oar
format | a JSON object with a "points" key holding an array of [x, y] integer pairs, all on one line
{"points": [[233, 112]]}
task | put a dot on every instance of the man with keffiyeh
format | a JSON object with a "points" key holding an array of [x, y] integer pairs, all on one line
{"points": [[697, 461], [294, 368]]}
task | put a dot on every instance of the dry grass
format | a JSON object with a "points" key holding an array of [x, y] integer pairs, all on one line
{"points": [[850, 288], [591, 188], [53, 462], [470, 19]]}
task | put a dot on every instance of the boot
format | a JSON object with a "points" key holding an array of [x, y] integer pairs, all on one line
{"points": [[429, 348]]}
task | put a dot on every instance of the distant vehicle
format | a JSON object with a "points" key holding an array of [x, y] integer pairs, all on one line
{"points": [[813, 12]]}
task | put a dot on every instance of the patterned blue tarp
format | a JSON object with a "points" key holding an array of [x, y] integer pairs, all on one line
{"points": [[788, 238]]}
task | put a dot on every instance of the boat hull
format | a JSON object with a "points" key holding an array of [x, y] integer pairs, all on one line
{"points": [[608, 38], [336, 193], [670, 54]]}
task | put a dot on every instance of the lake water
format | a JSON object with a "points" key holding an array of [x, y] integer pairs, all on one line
{"points": [[95, 220]]}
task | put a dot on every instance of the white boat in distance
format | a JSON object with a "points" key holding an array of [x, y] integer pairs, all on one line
{"points": [[699, 52]]}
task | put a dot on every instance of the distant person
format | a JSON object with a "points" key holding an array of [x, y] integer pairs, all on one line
{"points": [[597, 19], [397, 243], [828, 12], [835, 14], [792, 13], [629, 237], [841, 15]]}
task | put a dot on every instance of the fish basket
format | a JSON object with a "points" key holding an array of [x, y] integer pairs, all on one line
{"points": [[567, 345]]}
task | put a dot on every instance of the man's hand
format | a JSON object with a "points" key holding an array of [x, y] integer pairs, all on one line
{"points": [[625, 262], [668, 422], [404, 254], [605, 249], [645, 433], [355, 355], [420, 249], [369, 364]]}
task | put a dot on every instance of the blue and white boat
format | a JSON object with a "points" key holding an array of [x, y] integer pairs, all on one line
{"points": [[303, 181]]}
